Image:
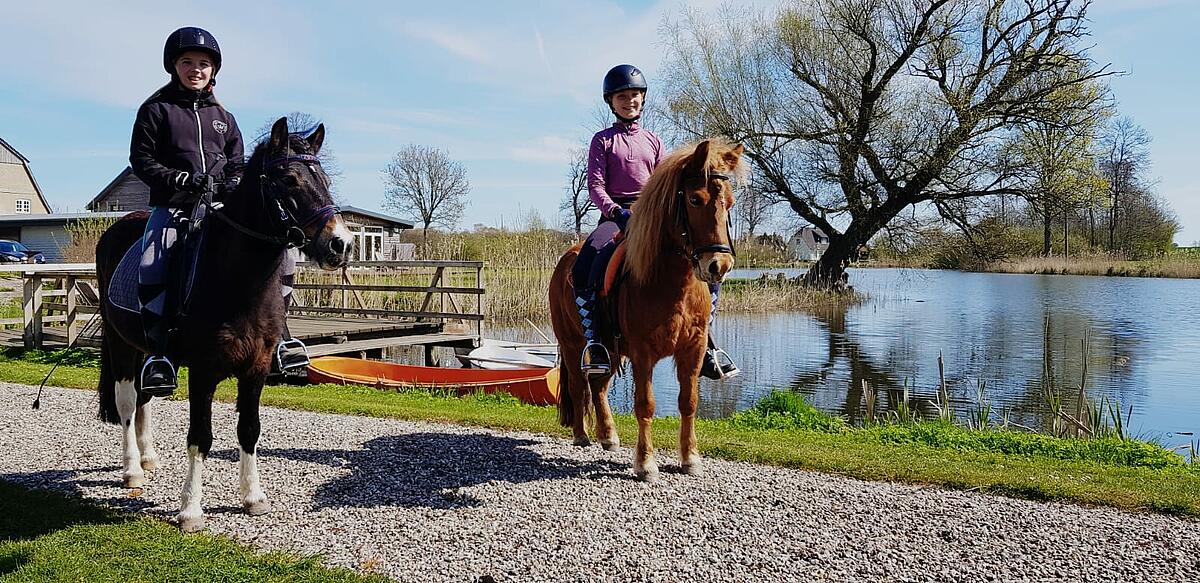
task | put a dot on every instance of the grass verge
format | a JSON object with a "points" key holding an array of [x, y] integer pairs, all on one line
{"points": [[783, 430], [49, 537]]}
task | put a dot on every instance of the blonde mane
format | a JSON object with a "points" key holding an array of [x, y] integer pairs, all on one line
{"points": [[653, 229]]}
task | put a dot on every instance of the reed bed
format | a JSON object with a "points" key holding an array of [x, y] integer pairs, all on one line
{"points": [[1174, 265]]}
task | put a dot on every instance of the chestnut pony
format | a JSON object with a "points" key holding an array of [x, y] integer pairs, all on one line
{"points": [[677, 243], [235, 315]]}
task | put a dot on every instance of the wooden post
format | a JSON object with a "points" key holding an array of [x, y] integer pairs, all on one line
{"points": [[33, 311], [72, 315]]}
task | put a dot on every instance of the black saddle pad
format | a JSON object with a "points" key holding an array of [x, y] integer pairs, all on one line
{"points": [[123, 289]]}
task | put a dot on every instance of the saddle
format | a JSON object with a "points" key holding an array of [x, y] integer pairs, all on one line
{"points": [[123, 289], [612, 271]]}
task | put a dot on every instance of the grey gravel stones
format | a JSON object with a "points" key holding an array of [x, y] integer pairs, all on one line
{"points": [[430, 502]]}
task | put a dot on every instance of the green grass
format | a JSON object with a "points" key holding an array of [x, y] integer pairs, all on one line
{"points": [[49, 537], [783, 430]]}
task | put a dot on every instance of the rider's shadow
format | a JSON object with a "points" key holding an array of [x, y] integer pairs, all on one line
{"points": [[74, 484], [427, 469]]}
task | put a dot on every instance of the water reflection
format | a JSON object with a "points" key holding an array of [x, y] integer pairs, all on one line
{"points": [[1014, 334]]}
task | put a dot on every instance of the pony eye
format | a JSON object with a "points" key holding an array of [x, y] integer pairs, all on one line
{"points": [[695, 200]]}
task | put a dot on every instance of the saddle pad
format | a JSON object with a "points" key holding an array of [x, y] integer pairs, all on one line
{"points": [[613, 270], [123, 289]]}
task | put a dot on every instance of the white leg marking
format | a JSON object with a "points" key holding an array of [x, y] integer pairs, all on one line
{"points": [[191, 514], [145, 437], [254, 502], [647, 472], [132, 474]]}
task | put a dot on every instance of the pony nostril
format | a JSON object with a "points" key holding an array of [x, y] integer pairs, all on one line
{"points": [[713, 268], [337, 245]]}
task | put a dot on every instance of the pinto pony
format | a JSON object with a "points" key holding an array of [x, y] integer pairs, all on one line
{"points": [[235, 314], [677, 244]]}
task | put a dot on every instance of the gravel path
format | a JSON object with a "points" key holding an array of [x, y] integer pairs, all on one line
{"points": [[429, 502]]}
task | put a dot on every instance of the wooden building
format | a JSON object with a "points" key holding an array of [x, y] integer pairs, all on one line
{"points": [[19, 191], [376, 235]]}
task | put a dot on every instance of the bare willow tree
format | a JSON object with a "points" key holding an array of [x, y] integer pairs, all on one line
{"points": [[424, 183], [303, 122], [853, 110], [754, 209], [576, 205]]}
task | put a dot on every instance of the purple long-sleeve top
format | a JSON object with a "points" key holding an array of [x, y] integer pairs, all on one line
{"points": [[620, 161]]}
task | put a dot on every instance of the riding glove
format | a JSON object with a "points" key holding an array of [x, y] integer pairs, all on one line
{"points": [[621, 217]]}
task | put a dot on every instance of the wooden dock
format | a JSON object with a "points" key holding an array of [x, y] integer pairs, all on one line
{"points": [[332, 313]]}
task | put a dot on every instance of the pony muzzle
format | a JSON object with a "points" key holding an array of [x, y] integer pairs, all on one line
{"points": [[712, 267]]}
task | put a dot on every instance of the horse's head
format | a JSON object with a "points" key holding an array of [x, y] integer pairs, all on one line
{"points": [[295, 192], [704, 198]]}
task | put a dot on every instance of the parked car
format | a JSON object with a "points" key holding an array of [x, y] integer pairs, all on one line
{"points": [[15, 252]]}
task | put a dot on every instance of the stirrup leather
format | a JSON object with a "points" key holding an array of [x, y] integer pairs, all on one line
{"points": [[595, 367], [291, 354], [166, 385]]}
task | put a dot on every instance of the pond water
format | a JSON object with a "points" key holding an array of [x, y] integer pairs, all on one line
{"points": [[1013, 334]]}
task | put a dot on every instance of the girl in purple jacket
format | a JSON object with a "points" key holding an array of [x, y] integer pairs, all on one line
{"points": [[620, 161]]}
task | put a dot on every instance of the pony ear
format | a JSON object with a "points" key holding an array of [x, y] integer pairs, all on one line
{"points": [[734, 155], [279, 134], [317, 138], [698, 161]]}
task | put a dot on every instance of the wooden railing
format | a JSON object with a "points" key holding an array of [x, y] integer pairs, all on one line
{"points": [[395, 290], [58, 299]]}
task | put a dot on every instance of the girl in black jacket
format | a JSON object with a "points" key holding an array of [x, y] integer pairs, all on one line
{"points": [[183, 140]]}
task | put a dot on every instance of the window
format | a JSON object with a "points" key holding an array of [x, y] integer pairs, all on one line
{"points": [[114, 206], [23, 205]]}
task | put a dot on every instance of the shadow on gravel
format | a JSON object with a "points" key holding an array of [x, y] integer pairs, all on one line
{"points": [[72, 482], [27, 513], [425, 469]]}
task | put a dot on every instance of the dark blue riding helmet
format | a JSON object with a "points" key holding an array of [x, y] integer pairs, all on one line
{"points": [[190, 38], [623, 77]]}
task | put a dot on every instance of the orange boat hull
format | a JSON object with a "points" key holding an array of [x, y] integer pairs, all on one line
{"points": [[537, 386]]}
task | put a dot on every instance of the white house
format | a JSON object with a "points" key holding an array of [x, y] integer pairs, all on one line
{"points": [[808, 244]]}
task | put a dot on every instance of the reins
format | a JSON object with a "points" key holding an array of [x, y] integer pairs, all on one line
{"points": [[295, 235]]}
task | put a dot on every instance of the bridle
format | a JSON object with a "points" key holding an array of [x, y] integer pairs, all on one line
{"points": [[294, 229], [696, 252]]}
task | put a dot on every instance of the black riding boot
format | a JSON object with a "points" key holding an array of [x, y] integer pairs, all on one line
{"points": [[717, 363], [291, 353], [158, 374], [594, 360]]}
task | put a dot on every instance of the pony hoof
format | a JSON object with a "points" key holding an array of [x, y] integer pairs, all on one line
{"points": [[582, 441], [132, 480], [191, 523], [611, 444], [150, 463], [258, 508], [648, 472], [693, 468]]}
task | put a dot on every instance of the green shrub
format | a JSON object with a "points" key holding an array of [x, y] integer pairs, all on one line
{"points": [[785, 410]]}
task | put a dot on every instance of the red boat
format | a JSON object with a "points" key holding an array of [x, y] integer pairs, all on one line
{"points": [[536, 386]]}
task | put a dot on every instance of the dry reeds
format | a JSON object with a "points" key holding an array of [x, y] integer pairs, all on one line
{"points": [[1175, 266]]}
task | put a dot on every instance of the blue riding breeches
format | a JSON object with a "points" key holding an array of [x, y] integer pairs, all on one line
{"points": [[158, 241], [588, 272]]}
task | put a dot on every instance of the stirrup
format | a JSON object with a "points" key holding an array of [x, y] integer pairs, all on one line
{"points": [[158, 377], [598, 366], [290, 354], [718, 365]]}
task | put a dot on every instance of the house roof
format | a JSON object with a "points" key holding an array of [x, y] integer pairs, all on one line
{"points": [[13, 150], [403, 224], [111, 185], [55, 218], [25, 161]]}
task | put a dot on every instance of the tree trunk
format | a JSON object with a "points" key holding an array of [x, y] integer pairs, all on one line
{"points": [[829, 272], [1092, 227], [1046, 228], [1066, 235]]}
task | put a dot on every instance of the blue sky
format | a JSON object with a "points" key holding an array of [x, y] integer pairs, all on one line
{"points": [[505, 87]]}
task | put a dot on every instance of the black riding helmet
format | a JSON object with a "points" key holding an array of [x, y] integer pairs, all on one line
{"points": [[623, 77], [190, 38]]}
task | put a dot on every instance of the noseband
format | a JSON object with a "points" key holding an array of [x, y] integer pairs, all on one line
{"points": [[294, 229], [696, 252]]}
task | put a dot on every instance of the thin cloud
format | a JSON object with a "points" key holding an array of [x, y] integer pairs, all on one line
{"points": [[456, 43], [549, 149]]}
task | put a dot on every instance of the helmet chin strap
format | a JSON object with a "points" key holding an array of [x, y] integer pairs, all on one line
{"points": [[618, 116]]}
